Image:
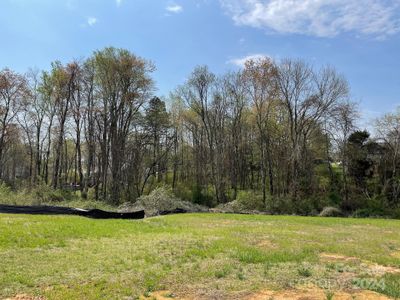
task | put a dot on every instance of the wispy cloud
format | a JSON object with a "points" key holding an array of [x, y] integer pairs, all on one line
{"points": [[118, 2], [91, 21], [322, 18], [174, 8], [240, 62]]}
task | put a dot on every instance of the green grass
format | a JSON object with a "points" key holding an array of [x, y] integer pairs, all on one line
{"points": [[61, 257]]}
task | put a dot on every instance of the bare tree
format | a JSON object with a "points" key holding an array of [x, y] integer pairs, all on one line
{"points": [[339, 127], [308, 96], [235, 91], [37, 107], [204, 96], [388, 131], [124, 87], [261, 85], [89, 122], [13, 89], [64, 85]]}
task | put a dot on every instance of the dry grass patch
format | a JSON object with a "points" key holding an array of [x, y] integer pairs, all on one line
{"points": [[378, 270], [395, 254], [337, 257], [161, 295], [370, 268], [315, 294], [25, 297]]}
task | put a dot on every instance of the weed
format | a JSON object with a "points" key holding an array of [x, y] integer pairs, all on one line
{"points": [[304, 271]]}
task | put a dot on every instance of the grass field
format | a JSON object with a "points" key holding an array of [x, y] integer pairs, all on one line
{"points": [[212, 256]]}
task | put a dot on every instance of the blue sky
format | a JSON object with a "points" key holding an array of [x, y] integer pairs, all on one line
{"points": [[360, 38]]}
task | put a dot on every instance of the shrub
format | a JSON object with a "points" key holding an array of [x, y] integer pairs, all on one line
{"points": [[203, 196], [183, 192], [5, 190], [395, 213], [373, 207], [246, 202], [368, 213], [304, 271], [280, 205], [11, 197], [331, 212], [334, 198], [378, 205], [39, 195], [305, 205], [44, 193], [249, 200], [6, 195]]}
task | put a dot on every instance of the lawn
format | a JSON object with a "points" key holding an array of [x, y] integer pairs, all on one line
{"points": [[217, 256]]}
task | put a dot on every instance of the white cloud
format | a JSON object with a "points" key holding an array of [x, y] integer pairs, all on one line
{"points": [[242, 60], [118, 2], [322, 18], [174, 8], [91, 21]]}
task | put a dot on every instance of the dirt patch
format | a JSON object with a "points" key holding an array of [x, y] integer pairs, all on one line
{"points": [[161, 295], [371, 268], [265, 244], [337, 257], [25, 297], [315, 294], [379, 270], [345, 278]]}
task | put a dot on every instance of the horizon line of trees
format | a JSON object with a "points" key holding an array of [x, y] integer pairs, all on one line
{"points": [[285, 131]]}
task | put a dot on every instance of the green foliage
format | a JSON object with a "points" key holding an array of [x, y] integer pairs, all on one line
{"points": [[395, 213], [304, 271], [329, 295], [359, 148], [252, 256], [211, 138], [45, 194], [203, 196], [183, 192], [374, 207], [355, 200], [280, 205], [5, 190], [250, 200], [223, 272], [241, 276], [246, 202], [309, 205], [390, 286], [306, 206], [157, 118], [334, 198], [323, 177]]}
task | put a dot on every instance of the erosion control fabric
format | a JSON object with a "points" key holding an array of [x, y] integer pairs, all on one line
{"points": [[57, 210]]}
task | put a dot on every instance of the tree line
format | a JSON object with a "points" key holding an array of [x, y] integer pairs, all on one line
{"points": [[283, 132]]}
